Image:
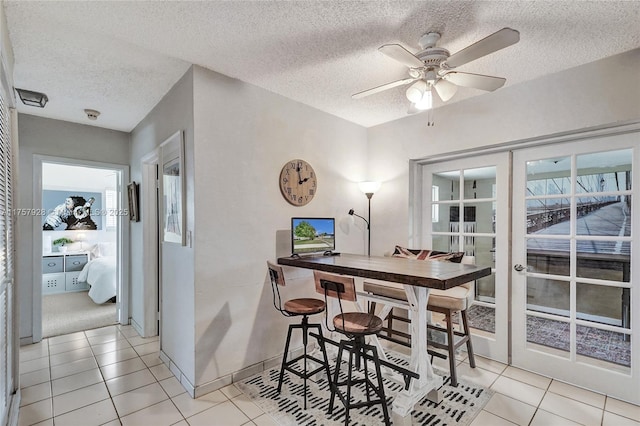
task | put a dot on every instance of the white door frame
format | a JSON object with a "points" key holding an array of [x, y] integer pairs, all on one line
{"points": [[497, 346], [150, 243], [122, 304], [618, 384]]}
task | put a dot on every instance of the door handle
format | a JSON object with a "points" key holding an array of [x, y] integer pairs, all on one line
{"points": [[518, 267]]}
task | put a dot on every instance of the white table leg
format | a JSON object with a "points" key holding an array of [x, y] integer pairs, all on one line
{"points": [[406, 399]]}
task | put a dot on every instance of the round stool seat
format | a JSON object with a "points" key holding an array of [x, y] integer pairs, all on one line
{"points": [[357, 323], [304, 306]]}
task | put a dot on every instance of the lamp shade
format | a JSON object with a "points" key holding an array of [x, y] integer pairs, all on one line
{"points": [[426, 102], [416, 91], [369, 187]]}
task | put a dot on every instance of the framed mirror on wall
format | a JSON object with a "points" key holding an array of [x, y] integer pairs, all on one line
{"points": [[173, 204]]}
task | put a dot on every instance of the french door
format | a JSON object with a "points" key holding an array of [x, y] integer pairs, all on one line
{"points": [[574, 239], [464, 207]]}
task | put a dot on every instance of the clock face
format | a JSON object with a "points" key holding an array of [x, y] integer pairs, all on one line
{"points": [[298, 182]]}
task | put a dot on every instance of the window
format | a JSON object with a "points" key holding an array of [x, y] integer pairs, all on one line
{"points": [[6, 260], [435, 211]]}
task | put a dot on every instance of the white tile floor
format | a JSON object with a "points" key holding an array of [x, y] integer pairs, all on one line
{"points": [[111, 376]]}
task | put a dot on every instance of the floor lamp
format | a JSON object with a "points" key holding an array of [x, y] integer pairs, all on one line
{"points": [[368, 188]]}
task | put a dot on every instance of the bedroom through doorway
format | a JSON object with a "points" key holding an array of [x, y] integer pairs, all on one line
{"points": [[80, 232]]}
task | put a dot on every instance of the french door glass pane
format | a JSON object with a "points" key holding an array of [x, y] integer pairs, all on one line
{"points": [[551, 334], [448, 184], [548, 296], [484, 248], [443, 242], [479, 183], [480, 217], [605, 260], [549, 176], [594, 346], [601, 304], [548, 256], [548, 216], [604, 171], [605, 216], [442, 224]]}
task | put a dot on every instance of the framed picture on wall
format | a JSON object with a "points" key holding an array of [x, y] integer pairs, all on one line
{"points": [[173, 205], [134, 213], [71, 210]]}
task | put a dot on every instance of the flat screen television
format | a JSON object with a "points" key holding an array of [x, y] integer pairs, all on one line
{"points": [[312, 235]]}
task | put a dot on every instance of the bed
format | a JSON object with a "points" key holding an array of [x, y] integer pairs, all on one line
{"points": [[100, 274]]}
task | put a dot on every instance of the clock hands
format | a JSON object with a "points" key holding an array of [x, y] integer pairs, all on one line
{"points": [[300, 180]]}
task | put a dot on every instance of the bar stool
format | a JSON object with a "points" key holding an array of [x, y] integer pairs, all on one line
{"points": [[447, 302], [355, 326], [298, 307]]}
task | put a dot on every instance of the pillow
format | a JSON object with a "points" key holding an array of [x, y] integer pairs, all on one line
{"points": [[416, 254], [103, 250]]}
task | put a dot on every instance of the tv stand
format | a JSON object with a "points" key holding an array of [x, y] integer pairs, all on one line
{"points": [[295, 256], [331, 253]]}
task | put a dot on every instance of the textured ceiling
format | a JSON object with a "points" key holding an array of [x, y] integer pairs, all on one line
{"points": [[121, 58]]}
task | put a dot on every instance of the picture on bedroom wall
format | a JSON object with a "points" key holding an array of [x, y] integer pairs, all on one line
{"points": [[71, 210]]}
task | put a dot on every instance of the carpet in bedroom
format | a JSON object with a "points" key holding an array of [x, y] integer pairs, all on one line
{"points": [[70, 312]]}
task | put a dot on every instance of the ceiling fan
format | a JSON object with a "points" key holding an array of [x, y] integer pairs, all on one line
{"points": [[433, 67]]}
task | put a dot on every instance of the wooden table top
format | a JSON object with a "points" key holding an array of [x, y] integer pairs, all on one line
{"points": [[423, 273]]}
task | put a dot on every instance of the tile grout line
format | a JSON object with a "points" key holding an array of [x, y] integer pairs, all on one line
{"points": [[546, 390]]}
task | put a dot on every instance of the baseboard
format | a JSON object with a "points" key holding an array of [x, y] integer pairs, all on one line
{"points": [[137, 327], [14, 409], [226, 380], [26, 340], [184, 381]]}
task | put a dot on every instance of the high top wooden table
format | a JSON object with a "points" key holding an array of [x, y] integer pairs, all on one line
{"points": [[417, 276]]}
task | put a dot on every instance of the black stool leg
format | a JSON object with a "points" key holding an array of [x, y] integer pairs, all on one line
{"points": [[465, 323], [334, 383], [284, 358], [347, 405], [305, 327], [385, 410], [451, 349], [362, 350]]}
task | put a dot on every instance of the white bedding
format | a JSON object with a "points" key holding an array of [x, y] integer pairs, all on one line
{"points": [[100, 274]]}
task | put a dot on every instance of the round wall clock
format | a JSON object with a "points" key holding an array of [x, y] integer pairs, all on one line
{"points": [[298, 182]]}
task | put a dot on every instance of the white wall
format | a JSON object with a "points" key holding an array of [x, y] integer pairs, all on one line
{"points": [[174, 112], [58, 139], [6, 53], [243, 137], [599, 93]]}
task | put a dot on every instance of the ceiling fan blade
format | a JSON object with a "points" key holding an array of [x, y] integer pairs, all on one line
{"points": [[496, 41], [476, 81], [383, 87], [445, 89], [402, 55]]}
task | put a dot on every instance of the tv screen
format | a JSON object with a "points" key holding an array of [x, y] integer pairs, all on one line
{"points": [[312, 234]]}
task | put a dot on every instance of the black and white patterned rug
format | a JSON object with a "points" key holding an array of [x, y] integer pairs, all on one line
{"points": [[459, 405]]}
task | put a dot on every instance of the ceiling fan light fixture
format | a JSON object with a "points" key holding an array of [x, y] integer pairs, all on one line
{"points": [[431, 76], [416, 91], [426, 102]]}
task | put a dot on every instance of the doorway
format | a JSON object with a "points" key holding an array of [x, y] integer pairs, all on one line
{"points": [[573, 251], [556, 219], [80, 255], [465, 209]]}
